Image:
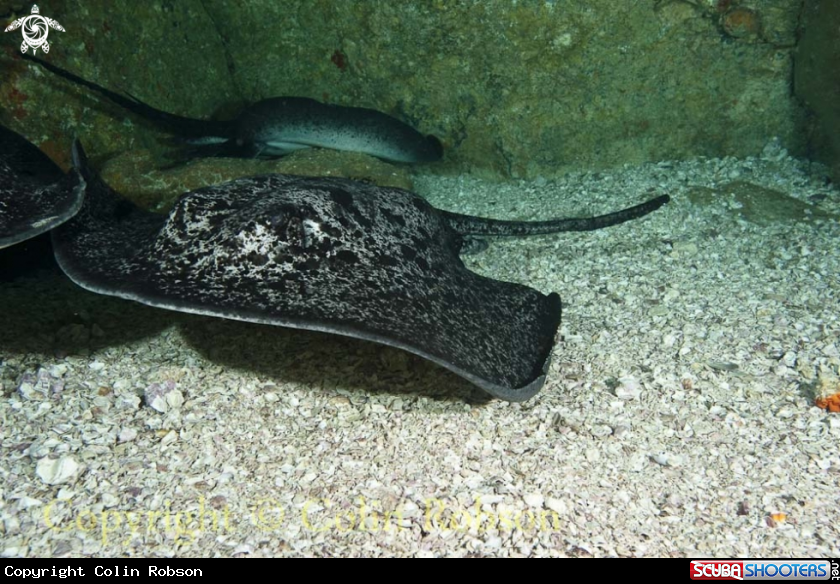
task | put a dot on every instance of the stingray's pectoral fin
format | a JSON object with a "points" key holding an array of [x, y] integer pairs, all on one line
{"points": [[399, 284], [219, 147], [106, 232], [35, 195], [280, 148]]}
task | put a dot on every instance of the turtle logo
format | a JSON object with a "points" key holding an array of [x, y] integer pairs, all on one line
{"points": [[35, 30]]}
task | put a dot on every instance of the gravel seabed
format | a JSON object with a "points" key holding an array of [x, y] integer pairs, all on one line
{"points": [[677, 419]]}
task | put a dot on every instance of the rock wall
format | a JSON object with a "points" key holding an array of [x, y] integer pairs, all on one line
{"points": [[818, 80], [513, 89]]}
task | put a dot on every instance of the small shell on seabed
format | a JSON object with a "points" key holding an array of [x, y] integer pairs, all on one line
{"points": [[57, 471], [163, 396], [628, 388], [741, 23]]}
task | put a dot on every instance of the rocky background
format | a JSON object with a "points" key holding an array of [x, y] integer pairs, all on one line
{"points": [[817, 80], [514, 90]]}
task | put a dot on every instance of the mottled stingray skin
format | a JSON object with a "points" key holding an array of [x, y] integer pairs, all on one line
{"points": [[277, 126], [323, 254], [35, 195], [330, 255]]}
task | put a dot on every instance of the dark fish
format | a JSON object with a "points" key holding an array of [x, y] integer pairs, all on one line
{"points": [[276, 126]]}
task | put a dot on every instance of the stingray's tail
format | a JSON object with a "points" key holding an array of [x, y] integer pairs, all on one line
{"points": [[81, 164], [467, 225], [100, 199], [187, 128], [97, 192]]}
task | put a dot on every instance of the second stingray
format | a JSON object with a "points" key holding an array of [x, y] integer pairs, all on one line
{"points": [[280, 125], [35, 195], [329, 255]]}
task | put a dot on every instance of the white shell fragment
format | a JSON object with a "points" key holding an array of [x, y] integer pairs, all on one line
{"points": [[665, 459], [57, 471], [628, 388], [127, 435], [534, 500], [164, 397]]}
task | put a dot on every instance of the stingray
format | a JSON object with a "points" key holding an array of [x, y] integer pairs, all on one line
{"points": [[35, 195], [277, 126], [330, 255]]}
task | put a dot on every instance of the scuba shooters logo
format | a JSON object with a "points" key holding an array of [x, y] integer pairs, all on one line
{"points": [[762, 569], [35, 30], [717, 570]]}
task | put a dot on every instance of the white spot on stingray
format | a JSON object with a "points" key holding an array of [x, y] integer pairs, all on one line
{"points": [[313, 229], [43, 222]]}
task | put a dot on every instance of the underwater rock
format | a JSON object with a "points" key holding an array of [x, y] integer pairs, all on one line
{"points": [[742, 23], [816, 81], [137, 174], [513, 89], [758, 204]]}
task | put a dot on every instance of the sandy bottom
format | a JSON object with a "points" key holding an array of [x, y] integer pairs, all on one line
{"points": [[678, 418]]}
